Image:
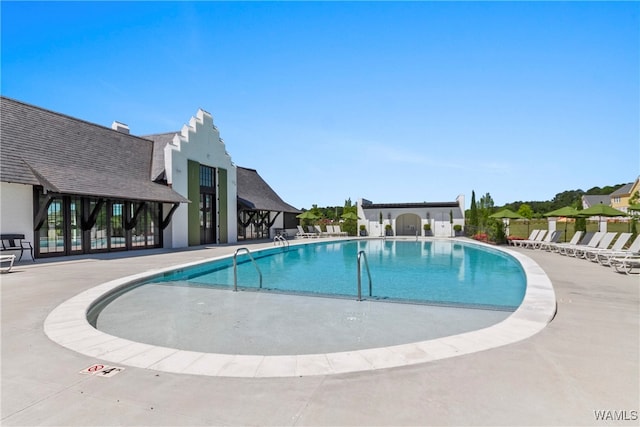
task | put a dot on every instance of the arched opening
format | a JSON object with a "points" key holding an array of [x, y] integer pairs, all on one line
{"points": [[408, 224]]}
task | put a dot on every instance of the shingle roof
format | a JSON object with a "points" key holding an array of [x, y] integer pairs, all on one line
{"points": [[159, 142], [594, 199], [410, 205], [69, 155], [255, 194], [625, 189]]}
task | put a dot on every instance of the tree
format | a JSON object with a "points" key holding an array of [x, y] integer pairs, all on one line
{"points": [[525, 210], [486, 209], [472, 222]]}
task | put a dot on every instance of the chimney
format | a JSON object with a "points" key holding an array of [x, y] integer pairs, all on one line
{"points": [[120, 127]]}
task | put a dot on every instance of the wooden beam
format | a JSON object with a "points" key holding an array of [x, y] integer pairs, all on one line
{"points": [[165, 222], [93, 216], [130, 224], [41, 215]]}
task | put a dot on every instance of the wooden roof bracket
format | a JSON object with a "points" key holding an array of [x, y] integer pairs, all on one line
{"points": [[165, 222], [41, 215], [130, 224]]}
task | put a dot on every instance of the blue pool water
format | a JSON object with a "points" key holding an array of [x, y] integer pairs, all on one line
{"points": [[438, 272]]}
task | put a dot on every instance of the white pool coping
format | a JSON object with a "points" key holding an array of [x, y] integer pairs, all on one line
{"points": [[68, 326]]}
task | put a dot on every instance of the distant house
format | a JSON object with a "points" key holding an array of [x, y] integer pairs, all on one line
{"points": [[592, 200], [408, 219], [620, 199], [74, 187]]}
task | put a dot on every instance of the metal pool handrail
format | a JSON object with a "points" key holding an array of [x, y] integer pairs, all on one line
{"points": [[235, 267], [366, 264], [278, 239]]}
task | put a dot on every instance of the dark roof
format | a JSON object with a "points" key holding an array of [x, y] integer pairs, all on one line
{"points": [[624, 190], [159, 142], [67, 155], [255, 194], [594, 199], [410, 205]]}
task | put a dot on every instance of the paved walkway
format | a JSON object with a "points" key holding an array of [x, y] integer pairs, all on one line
{"points": [[586, 360]]}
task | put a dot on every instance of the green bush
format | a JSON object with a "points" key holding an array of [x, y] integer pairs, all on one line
{"points": [[496, 232]]}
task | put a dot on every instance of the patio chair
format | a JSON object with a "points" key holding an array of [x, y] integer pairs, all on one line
{"points": [[319, 231], [605, 257], [530, 243], [602, 244], [592, 241], [532, 236], [554, 247], [339, 232], [10, 259], [626, 264], [551, 238], [592, 254], [304, 234]]}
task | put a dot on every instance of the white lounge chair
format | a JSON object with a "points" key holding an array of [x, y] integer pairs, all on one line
{"points": [[530, 243], [339, 232], [554, 247], [602, 244], [588, 240], [332, 230], [626, 264], [592, 254], [304, 234], [552, 237], [532, 236], [10, 259], [320, 232], [605, 257]]}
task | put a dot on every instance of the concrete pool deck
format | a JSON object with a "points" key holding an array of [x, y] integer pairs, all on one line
{"points": [[585, 360]]}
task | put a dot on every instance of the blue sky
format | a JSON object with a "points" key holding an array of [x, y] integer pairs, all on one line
{"points": [[390, 101]]}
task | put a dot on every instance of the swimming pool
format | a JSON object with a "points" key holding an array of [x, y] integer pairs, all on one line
{"points": [[69, 326], [439, 272]]}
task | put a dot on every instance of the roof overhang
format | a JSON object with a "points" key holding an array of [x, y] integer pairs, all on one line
{"points": [[99, 184]]}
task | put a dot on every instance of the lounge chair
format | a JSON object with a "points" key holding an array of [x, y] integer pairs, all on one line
{"points": [[530, 243], [605, 257], [532, 236], [320, 232], [7, 259], [338, 231], [552, 237], [602, 244], [592, 241], [626, 264], [592, 254], [304, 234], [554, 247]]}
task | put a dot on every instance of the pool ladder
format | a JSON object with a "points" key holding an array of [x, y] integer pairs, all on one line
{"points": [[280, 240], [235, 267], [366, 264]]}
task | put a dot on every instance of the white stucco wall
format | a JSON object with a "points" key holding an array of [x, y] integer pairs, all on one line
{"points": [[198, 141], [16, 209], [439, 218]]}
